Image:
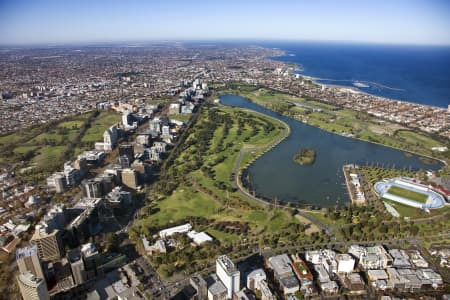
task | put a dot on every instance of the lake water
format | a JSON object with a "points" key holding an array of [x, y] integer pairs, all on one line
{"points": [[275, 175]]}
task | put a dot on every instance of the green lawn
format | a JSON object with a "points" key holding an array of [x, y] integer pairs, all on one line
{"points": [[105, 120], [50, 142], [205, 198], [412, 195], [71, 124], [25, 149], [184, 202], [341, 121], [405, 210], [416, 138], [222, 236], [180, 117]]}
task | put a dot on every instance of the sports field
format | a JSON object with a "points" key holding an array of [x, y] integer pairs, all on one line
{"points": [[408, 194]]}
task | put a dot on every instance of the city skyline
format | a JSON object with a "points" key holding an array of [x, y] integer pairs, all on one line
{"points": [[69, 22]]}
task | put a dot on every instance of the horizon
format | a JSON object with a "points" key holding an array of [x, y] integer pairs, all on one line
{"points": [[249, 42], [50, 22]]}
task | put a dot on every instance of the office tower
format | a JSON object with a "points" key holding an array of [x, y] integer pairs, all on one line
{"points": [[28, 261], [228, 274], [32, 287], [129, 178], [48, 243], [92, 188], [128, 151], [199, 284], [92, 260], [124, 161], [77, 266]]}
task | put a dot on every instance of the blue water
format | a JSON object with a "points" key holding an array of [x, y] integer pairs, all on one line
{"points": [[276, 175], [419, 74]]}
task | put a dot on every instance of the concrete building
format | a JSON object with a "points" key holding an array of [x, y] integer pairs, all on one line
{"points": [[228, 274], [255, 278], [174, 108], [199, 237], [281, 266], [28, 261], [77, 266], [127, 118], [301, 270], [345, 263], [92, 260], [119, 198], [130, 178], [73, 176], [217, 291], [48, 244], [127, 150], [155, 126], [354, 282], [32, 287], [92, 188], [57, 182], [199, 284], [266, 293], [177, 229], [110, 137]]}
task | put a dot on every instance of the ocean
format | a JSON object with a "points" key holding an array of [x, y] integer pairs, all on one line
{"points": [[419, 74]]}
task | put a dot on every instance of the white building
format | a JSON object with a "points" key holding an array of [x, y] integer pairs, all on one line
{"points": [[32, 287], [255, 278], [199, 237], [345, 263], [228, 274], [177, 229]]}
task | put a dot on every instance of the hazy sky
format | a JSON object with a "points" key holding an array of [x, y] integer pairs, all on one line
{"points": [[70, 21]]}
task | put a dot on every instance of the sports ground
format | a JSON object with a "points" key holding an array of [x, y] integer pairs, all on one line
{"points": [[408, 192]]}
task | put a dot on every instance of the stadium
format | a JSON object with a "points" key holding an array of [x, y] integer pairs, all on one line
{"points": [[408, 192]]}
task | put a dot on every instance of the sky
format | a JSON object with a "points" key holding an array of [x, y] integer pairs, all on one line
{"points": [[96, 21]]}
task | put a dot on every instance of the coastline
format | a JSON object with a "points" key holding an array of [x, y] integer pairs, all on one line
{"points": [[299, 69]]}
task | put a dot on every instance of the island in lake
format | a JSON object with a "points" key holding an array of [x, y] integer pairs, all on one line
{"points": [[305, 156]]}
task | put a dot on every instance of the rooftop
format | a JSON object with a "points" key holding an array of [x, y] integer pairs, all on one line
{"points": [[26, 251], [226, 263]]}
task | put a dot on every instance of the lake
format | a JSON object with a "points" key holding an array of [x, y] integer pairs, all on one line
{"points": [[276, 175]]}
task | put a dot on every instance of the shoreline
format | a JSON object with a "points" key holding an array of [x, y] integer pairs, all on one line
{"points": [[298, 70], [360, 139]]}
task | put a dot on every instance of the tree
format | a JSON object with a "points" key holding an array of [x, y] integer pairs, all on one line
{"points": [[112, 242]]}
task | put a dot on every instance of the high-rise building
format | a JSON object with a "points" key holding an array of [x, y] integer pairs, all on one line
{"points": [[127, 150], [228, 274], [73, 176], [92, 188], [77, 266], [28, 261], [124, 161], [32, 287], [92, 260], [165, 130], [110, 137], [127, 118], [129, 178], [199, 284], [48, 244], [57, 182]]}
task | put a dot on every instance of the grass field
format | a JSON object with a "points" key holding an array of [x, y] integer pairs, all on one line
{"points": [[205, 198], [341, 121], [100, 124], [405, 210], [180, 117], [408, 194], [46, 145]]}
